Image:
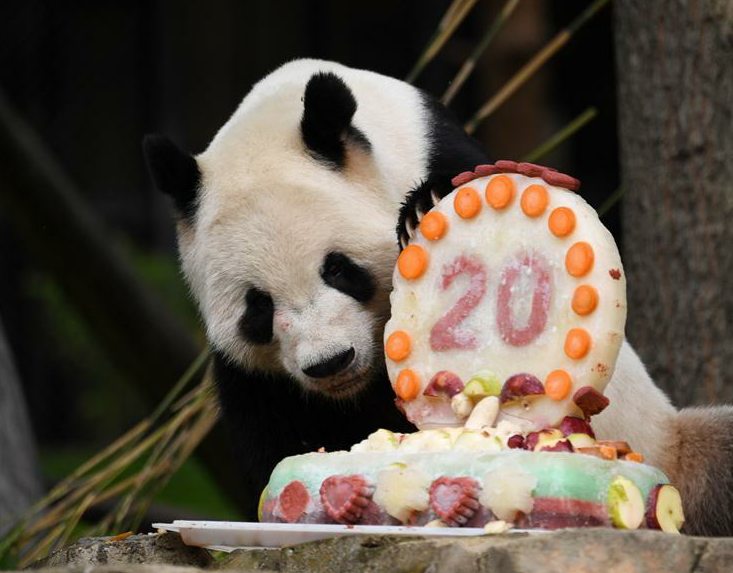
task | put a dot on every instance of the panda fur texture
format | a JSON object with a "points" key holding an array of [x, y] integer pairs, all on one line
{"points": [[285, 229]]}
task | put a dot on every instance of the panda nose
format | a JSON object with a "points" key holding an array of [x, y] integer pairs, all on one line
{"points": [[331, 366]]}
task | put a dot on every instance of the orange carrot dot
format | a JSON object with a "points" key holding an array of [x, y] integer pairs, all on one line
{"points": [[577, 343], [561, 221], [558, 384], [433, 225], [398, 345], [579, 259], [467, 203], [407, 385], [500, 191], [585, 300], [534, 200], [412, 262], [634, 457]]}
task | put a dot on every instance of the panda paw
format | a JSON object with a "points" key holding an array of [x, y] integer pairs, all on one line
{"points": [[418, 202]]}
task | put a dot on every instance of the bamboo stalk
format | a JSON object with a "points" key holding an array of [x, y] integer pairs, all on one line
{"points": [[610, 201], [453, 17], [533, 65], [561, 136], [469, 65], [41, 547]]}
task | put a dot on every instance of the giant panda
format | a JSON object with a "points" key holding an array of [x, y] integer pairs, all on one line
{"points": [[286, 233]]}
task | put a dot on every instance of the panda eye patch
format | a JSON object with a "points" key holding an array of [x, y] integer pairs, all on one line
{"points": [[343, 274], [256, 322]]}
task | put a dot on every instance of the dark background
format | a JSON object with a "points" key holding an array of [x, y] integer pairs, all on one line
{"points": [[92, 77]]}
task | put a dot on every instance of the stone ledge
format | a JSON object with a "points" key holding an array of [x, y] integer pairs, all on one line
{"points": [[586, 550], [167, 548], [567, 551]]}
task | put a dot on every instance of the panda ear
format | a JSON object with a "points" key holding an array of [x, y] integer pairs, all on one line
{"points": [[173, 171], [328, 107]]}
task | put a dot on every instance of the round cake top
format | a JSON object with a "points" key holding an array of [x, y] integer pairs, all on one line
{"points": [[512, 287]]}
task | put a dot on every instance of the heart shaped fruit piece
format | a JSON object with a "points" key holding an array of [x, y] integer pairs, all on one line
{"points": [[455, 500], [344, 498]]}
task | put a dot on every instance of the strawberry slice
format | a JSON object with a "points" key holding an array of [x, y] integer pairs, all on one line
{"points": [[345, 497], [455, 500], [293, 501]]}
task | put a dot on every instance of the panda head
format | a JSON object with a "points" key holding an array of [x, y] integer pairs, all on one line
{"points": [[285, 232]]}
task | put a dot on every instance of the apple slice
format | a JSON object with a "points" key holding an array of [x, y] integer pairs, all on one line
{"points": [[535, 441], [520, 386], [559, 446], [625, 504], [483, 383], [444, 383], [573, 425], [475, 441], [437, 440], [581, 440], [664, 509]]}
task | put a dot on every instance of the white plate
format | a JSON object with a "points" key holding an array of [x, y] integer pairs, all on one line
{"points": [[231, 535]]}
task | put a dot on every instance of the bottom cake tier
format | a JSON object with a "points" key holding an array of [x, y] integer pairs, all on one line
{"points": [[525, 489]]}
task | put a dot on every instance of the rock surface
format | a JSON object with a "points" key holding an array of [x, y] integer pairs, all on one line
{"points": [[165, 548], [568, 551]]}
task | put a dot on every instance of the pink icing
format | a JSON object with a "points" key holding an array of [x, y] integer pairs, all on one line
{"points": [[445, 334], [510, 333]]}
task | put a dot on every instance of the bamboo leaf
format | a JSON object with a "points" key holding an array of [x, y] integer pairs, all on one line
{"points": [[610, 201], [561, 136], [453, 17], [469, 65], [529, 69]]}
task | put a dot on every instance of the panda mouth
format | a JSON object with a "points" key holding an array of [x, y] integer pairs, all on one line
{"points": [[344, 387]]}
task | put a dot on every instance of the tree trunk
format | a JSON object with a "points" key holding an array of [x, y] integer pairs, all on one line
{"points": [[675, 76], [20, 483]]}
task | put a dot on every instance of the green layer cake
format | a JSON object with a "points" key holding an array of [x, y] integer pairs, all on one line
{"points": [[508, 313], [451, 486]]}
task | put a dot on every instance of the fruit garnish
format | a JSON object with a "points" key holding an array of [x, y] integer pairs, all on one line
{"points": [[664, 509], [483, 414], [581, 440], [535, 441], [402, 490], [461, 405], [261, 503], [380, 441], [590, 401], [344, 498], [476, 441], [497, 527], [515, 442], [520, 386], [444, 383], [625, 503], [427, 441], [294, 499], [507, 491], [603, 452], [559, 446], [455, 500], [573, 425], [483, 383], [622, 448]]}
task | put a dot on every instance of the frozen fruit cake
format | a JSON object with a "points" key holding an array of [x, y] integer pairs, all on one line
{"points": [[508, 314]]}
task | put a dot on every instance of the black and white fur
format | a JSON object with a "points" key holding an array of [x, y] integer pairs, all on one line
{"points": [[286, 237]]}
